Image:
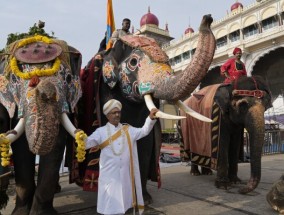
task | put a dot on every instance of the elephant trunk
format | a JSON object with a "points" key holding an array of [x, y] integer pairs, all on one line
{"points": [[255, 126], [179, 87], [42, 118]]}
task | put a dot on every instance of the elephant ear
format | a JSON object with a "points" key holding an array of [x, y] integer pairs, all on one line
{"points": [[223, 97], [110, 71]]}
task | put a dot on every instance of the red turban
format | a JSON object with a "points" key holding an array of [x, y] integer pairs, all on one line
{"points": [[237, 50]]}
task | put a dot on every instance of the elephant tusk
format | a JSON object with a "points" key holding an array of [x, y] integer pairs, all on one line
{"points": [[191, 112], [150, 104], [20, 128], [67, 124]]}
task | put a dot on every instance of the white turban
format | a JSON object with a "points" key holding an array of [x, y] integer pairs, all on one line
{"points": [[111, 104]]}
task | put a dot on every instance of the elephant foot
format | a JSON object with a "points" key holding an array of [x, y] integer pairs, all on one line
{"points": [[21, 211], [49, 211], [194, 170], [235, 179], [147, 198], [206, 171], [222, 183]]}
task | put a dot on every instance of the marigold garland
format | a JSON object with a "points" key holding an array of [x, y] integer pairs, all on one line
{"points": [[36, 38], [80, 138], [38, 72], [5, 150]]}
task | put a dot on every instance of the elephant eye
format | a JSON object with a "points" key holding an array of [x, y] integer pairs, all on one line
{"points": [[132, 63]]}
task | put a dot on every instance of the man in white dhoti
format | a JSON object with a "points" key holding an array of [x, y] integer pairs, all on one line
{"points": [[119, 185]]}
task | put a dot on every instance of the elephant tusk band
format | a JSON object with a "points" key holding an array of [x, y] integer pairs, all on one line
{"points": [[191, 112], [150, 104], [68, 125]]}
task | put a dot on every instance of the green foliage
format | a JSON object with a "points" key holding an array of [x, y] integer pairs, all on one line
{"points": [[35, 29]]}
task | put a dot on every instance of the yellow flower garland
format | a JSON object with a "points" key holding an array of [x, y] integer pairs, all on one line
{"points": [[80, 138], [5, 150], [36, 72]]}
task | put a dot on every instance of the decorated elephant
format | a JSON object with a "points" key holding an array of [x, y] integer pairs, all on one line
{"points": [[137, 73], [232, 107], [275, 197], [40, 83]]}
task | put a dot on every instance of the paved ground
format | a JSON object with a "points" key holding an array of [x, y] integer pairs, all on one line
{"points": [[183, 194]]}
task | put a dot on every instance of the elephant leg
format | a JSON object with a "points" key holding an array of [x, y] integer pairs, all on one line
{"points": [[222, 179], [48, 177], [206, 171], [24, 166], [145, 151], [194, 170], [234, 154]]}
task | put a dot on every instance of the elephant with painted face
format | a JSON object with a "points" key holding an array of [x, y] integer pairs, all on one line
{"points": [[137, 73], [232, 107], [40, 85]]}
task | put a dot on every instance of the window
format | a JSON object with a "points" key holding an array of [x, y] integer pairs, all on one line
{"points": [[172, 62], [185, 55], [269, 23], [193, 51], [221, 42], [250, 30], [178, 59], [234, 36]]}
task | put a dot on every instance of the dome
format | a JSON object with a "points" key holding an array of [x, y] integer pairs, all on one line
{"points": [[236, 6], [149, 19], [189, 30]]}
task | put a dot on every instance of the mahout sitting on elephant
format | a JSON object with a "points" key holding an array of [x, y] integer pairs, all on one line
{"points": [[39, 86], [232, 107], [137, 73]]}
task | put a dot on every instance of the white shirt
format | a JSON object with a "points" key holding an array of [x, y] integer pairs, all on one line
{"points": [[114, 185]]}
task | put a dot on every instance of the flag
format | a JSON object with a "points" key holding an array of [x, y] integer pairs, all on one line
{"points": [[110, 23]]}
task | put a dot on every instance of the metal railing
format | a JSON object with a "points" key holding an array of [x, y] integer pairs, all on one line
{"points": [[273, 142]]}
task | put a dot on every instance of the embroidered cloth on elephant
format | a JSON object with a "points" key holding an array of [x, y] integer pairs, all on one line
{"points": [[198, 135], [147, 45]]}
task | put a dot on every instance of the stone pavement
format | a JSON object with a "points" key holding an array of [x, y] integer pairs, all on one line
{"points": [[183, 194]]}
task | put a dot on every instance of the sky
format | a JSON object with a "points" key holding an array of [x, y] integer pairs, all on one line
{"points": [[82, 23]]}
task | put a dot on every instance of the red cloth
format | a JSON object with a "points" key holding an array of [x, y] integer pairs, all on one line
{"points": [[231, 68]]}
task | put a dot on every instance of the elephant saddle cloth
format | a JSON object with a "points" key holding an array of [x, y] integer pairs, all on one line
{"points": [[201, 139]]}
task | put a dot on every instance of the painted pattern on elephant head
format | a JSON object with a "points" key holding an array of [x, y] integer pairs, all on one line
{"points": [[139, 70]]}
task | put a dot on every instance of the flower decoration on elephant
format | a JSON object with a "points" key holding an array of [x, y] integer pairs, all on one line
{"points": [[5, 150]]}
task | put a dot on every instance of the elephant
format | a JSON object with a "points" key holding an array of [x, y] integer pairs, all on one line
{"points": [[232, 107], [275, 196], [40, 86], [137, 72]]}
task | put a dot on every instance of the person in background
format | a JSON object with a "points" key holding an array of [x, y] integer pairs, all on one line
{"points": [[233, 68], [119, 183]]}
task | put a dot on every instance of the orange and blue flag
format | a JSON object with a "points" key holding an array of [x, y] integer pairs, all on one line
{"points": [[110, 23]]}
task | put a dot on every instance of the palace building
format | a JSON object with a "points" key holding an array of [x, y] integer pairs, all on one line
{"points": [[258, 29]]}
